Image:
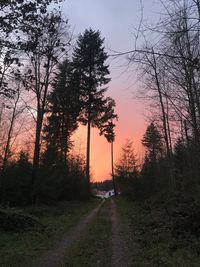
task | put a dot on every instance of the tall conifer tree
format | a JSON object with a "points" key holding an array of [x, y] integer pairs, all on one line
{"points": [[89, 59], [152, 140], [62, 122]]}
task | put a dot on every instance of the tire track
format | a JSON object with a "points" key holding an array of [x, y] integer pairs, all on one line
{"points": [[120, 251], [54, 257]]}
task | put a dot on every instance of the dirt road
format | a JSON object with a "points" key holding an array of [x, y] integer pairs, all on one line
{"points": [[55, 256], [118, 248]]}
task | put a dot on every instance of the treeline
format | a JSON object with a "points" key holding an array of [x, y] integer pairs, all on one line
{"points": [[48, 87], [169, 66], [103, 186], [150, 178]]}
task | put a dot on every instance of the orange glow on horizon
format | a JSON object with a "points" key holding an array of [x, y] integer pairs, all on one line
{"points": [[131, 125]]}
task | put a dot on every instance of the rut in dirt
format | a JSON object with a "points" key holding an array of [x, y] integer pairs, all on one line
{"points": [[120, 250], [55, 256]]}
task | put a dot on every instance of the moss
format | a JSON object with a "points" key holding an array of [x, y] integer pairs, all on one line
{"points": [[94, 247], [151, 237], [22, 249]]}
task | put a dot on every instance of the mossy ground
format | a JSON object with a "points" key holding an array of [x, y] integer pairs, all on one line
{"points": [[21, 249], [153, 238]]}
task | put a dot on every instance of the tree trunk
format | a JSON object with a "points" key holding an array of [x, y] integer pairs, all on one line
{"points": [[41, 104], [164, 121], [36, 157], [112, 168], [168, 126], [88, 152], [7, 148]]}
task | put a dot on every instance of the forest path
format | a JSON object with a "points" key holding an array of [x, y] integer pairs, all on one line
{"points": [[120, 250], [54, 257]]}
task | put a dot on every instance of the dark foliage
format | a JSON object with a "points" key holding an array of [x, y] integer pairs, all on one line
{"points": [[89, 61], [54, 183], [17, 18], [126, 171], [14, 221], [103, 186], [18, 181], [64, 109]]}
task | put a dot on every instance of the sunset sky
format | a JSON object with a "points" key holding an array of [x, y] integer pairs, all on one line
{"points": [[116, 20]]}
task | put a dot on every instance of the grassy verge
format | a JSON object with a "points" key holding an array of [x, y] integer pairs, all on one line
{"points": [[21, 249], [153, 238], [94, 247]]}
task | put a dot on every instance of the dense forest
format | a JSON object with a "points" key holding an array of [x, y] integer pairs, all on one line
{"points": [[168, 69], [51, 83], [48, 88]]}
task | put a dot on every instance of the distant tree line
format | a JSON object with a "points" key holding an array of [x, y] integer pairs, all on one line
{"points": [[103, 186], [47, 89]]}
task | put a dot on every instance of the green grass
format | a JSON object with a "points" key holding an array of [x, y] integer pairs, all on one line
{"points": [[94, 247], [21, 249], [151, 240]]}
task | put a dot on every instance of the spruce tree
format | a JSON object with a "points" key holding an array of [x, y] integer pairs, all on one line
{"points": [[89, 59], [182, 164], [127, 165], [126, 169], [152, 140], [64, 109]]}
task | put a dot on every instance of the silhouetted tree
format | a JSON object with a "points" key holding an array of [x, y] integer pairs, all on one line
{"points": [[46, 41], [171, 70], [18, 181], [64, 108], [16, 18], [126, 170], [89, 59], [152, 140]]}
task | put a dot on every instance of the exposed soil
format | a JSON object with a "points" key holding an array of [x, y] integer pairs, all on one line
{"points": [[120, 251], [55, 256]]}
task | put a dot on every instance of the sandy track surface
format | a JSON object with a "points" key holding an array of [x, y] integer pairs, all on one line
{"points": [[120, 251], [54, 257]]}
